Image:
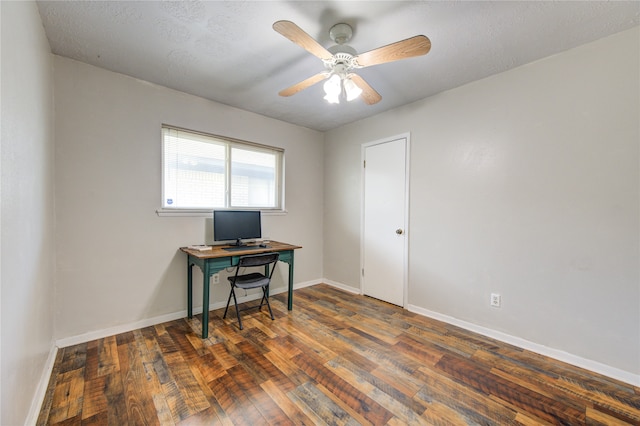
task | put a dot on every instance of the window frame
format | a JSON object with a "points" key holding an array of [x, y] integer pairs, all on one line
{"points": [[229, 143]]}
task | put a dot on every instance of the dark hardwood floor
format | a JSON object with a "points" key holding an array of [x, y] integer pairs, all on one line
{"points": [[337, 359]]}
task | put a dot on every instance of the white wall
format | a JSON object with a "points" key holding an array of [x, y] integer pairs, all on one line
{"points": [[27, 228], [117, 261], [526, 184]]}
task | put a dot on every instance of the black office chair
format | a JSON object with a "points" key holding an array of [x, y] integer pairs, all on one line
{"points": [[253, 280]]}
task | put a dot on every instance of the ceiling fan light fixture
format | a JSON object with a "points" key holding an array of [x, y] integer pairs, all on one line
{"points": [[332, 89], [339, 85], [351, 90]]}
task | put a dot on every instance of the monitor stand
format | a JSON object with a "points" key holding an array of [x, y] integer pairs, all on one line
{"points": [[238, 243]]}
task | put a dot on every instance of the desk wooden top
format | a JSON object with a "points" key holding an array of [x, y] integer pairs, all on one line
{"points": [[218, 251]]}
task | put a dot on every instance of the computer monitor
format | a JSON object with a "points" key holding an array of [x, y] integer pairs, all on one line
{"points": [[236, 225]]}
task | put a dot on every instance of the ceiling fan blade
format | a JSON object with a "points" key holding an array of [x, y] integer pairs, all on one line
{"points": [[414, 46], [302, 39], [369, 95], [292, 90]]}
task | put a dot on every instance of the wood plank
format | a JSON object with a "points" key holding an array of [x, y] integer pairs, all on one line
{"points": [[205, 417], [407, 384], [197, 354], [354, 416], [94, 400], [376, 328], [98, 419], [175, 402], [480, 379], [68, 395], [423, 352], [91, 360], [354, 374], [137, 397], [402, 406], [623, 406], [277, 394], [214, 411], [284, 345], [319, 407], [294, 376], [73, 358], [361, 403], [260, 399], [72, 421], [108, 362], [116, 404], [595, 417], [445, 341], [156, 371], [264, 369], [336, 344], [304, 337], [184, 390], [222, 355], [385, 356], [623, 403], [477, 406], [124, 338], [235, 403]]}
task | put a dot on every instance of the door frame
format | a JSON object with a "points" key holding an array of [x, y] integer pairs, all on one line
{"points": [[407, 161]]}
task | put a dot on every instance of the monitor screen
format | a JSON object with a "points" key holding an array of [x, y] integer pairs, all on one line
{"points": [[236, 225]]}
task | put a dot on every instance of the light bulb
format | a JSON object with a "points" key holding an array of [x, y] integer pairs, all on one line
{"points": [[351, 89], [332, 85], [332, 89]]}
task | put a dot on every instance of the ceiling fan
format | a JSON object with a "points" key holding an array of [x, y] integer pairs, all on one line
{"points": [[341, 60]]}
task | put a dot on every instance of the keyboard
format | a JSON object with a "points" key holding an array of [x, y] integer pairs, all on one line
{"points": [[241, 248]]}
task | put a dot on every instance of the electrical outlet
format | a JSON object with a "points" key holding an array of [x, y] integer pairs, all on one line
{"points": [[216, 278], [495, 300]]}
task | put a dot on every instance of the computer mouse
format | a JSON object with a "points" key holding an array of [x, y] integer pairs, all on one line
{"points": [[263, 245]]}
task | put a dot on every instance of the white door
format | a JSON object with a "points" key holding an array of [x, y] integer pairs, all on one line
{"points": [[384, 248]]}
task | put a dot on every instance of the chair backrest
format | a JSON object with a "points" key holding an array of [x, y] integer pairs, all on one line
{"points": [[258, 260]]}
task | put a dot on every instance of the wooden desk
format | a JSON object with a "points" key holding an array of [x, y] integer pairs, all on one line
{"points": [[215, 260]]}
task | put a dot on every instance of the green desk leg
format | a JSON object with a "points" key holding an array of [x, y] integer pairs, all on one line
{"points": [[189, 287], [287, 257], [290, 295], [209, 267], [205, 300]]}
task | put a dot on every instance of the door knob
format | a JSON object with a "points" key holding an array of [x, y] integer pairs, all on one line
{"points": [[399, 231]]}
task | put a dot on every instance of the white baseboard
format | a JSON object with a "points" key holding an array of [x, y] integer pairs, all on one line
{"points": [[303, 285], [41, 391], [123, 328], [341, 286], [597, 367]]}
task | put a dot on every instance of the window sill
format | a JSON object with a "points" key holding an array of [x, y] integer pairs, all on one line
{"points": [[162, 212]]}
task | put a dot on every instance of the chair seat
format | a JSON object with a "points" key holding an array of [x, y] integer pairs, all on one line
{"points": [[252, 280]]}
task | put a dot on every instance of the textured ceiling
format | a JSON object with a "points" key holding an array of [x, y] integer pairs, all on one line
{"points": [[227, 51]]}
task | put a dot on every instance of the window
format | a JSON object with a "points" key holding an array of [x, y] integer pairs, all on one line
{"points": [[205, 172]]}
